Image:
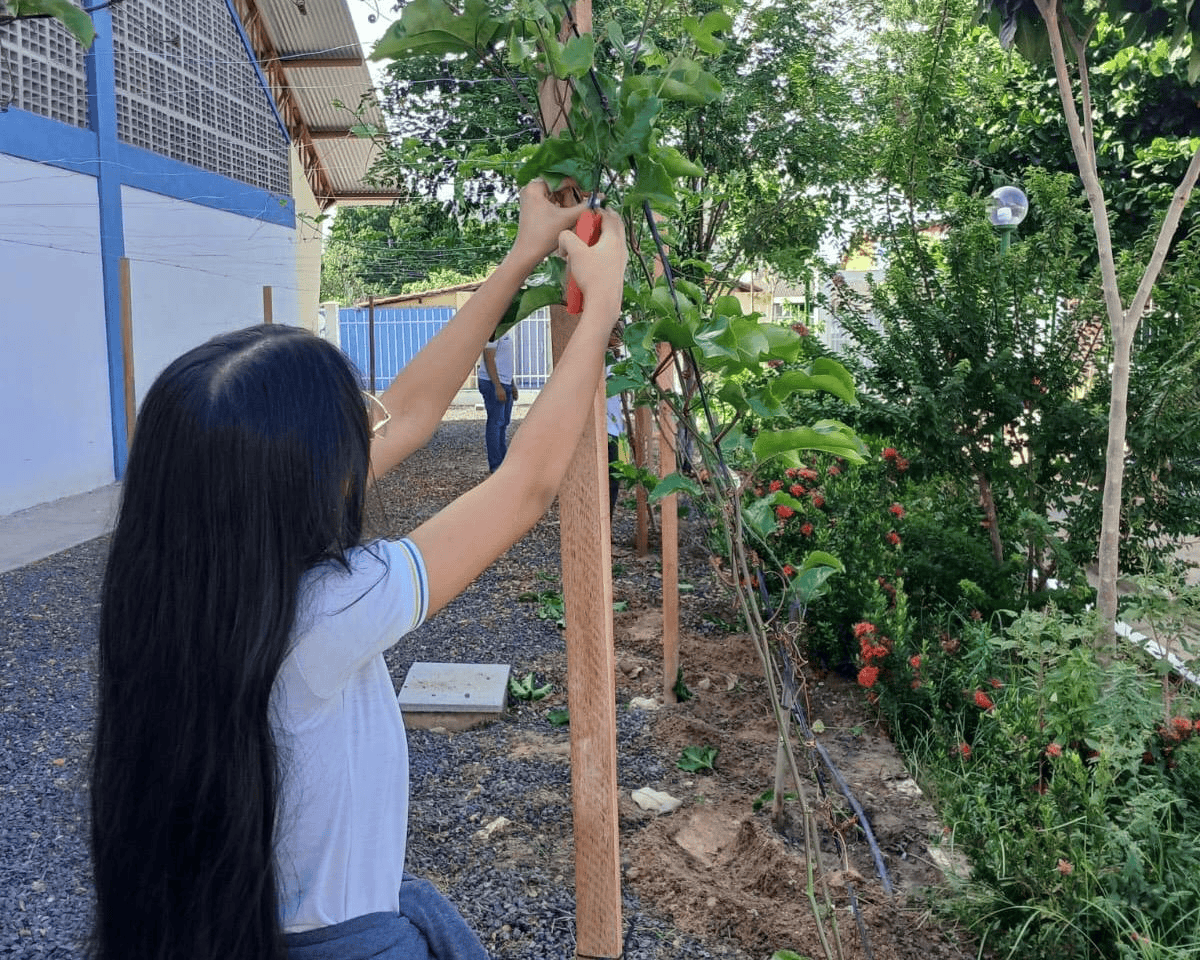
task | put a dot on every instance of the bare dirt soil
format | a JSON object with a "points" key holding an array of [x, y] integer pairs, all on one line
{"points": [[716, 868]]}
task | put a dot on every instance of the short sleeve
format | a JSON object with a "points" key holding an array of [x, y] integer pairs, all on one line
{"points": [[346, 618]]}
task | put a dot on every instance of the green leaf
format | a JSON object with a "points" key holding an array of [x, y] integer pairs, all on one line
{"points": [[675, 163], [535, 298], [653, 183], [819, 558], [695, 759], [770, 443], [630, 136], [760, 518], [77, 21], [701, 31], [558, 717], [827, 375], [431, 27], [675, 483], [577, 57], [685, 81]]}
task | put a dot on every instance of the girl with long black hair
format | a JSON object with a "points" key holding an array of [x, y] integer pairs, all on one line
{"points": [[250, 768]]}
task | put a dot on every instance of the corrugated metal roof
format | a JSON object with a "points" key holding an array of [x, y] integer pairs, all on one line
{"points": [[311, 49]]}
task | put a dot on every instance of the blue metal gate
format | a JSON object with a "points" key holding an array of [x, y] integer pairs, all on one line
{"points": [[401, 332]]}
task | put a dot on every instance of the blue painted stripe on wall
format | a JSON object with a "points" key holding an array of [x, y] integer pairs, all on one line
{"points": [[173, 178], [42, 140], [31, 137]]}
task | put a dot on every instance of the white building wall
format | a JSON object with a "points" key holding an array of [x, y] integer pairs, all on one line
{"points": [[196, 272], [55, 427]]}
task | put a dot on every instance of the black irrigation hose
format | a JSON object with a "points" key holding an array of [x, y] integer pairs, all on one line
{"points": [[798, 712]]}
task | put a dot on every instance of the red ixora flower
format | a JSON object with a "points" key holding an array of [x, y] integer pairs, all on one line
{"points": [[964, 749], [896, 509], [1053, 750], [901, 464], [889, 453], [783, 512], [796, 490], [867, 676], [915, 662], [818, 501], [893, 538], [833, 470], [788, 570], [806, 529], [800, 329], [775, 485], [1065, 867], [863, 628], [806, 474], [983, 701]]}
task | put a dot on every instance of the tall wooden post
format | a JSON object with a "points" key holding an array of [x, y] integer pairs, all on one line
{"points": [[586, 537], [641, 456], [591, 676], [127, 349], [268, 306], [669, 532]]}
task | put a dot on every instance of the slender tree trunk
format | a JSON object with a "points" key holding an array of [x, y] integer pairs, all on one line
{"points": [[1122, 322]]}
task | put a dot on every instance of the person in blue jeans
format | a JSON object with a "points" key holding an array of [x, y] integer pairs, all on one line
{"points": [[498, 387]]}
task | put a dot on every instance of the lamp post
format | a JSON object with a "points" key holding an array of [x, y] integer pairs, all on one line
{"points": [[1007, 209]]}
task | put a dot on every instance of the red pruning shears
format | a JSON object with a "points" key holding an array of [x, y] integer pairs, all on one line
{"points": [[587, 228]]}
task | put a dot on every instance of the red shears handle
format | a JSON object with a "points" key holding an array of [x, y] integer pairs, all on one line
{"points": [[587, 228]]}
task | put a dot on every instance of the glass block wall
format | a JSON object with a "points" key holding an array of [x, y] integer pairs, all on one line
{"points": [[42, 71], [186, 89]]}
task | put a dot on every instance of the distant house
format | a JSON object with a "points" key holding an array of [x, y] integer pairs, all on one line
{"points": [[155, 190]]}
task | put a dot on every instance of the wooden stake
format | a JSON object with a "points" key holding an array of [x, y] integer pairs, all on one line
{"points": [[585, 530], [127, 350], [268, 307], [669, 530], [641, 456], [591, 675]]}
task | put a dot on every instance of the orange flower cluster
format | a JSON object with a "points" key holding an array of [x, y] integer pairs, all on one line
{"points": [[983, 701]]}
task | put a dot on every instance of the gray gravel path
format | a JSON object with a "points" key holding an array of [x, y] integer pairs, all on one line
{"points": [[516, 894]]}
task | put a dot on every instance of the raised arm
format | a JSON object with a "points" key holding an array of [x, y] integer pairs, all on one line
{"points": [[422, 391], [462, 540]]}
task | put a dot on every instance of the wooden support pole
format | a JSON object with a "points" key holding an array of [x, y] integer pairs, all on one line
{"points": [[127, 350], [669, 530], [268, 306], [586, 534], [643, 424], [591, 676]]}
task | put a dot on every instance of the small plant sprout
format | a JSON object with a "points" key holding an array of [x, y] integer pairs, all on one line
{"points": [[697, 759], [527, 688]]}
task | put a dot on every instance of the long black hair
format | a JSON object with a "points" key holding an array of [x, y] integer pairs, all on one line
{"points": [[249, 465]]}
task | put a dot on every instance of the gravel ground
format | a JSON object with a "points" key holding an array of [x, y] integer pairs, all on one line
{"points": [[522, 905]]}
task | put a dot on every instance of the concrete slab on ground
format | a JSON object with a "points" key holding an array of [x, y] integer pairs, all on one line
{"points": [[40, 531], [455, 696]]}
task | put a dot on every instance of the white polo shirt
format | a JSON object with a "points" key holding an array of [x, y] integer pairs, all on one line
{"points": [[343, 806]]}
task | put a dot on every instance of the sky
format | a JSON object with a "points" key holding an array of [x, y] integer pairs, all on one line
{"points": [[368, 33]]}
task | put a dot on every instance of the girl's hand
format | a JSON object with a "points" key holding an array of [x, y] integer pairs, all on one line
{"points": [[600, 269], [541, 221]]}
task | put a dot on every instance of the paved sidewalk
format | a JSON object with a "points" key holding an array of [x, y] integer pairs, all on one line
{"points": [[47, 528]]}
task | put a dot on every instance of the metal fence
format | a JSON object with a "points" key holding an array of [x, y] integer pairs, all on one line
{"points": [[400, 333]]}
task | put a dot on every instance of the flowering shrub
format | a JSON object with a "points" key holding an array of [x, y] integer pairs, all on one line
{"points": [[855, 513], [1073, 786]]}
